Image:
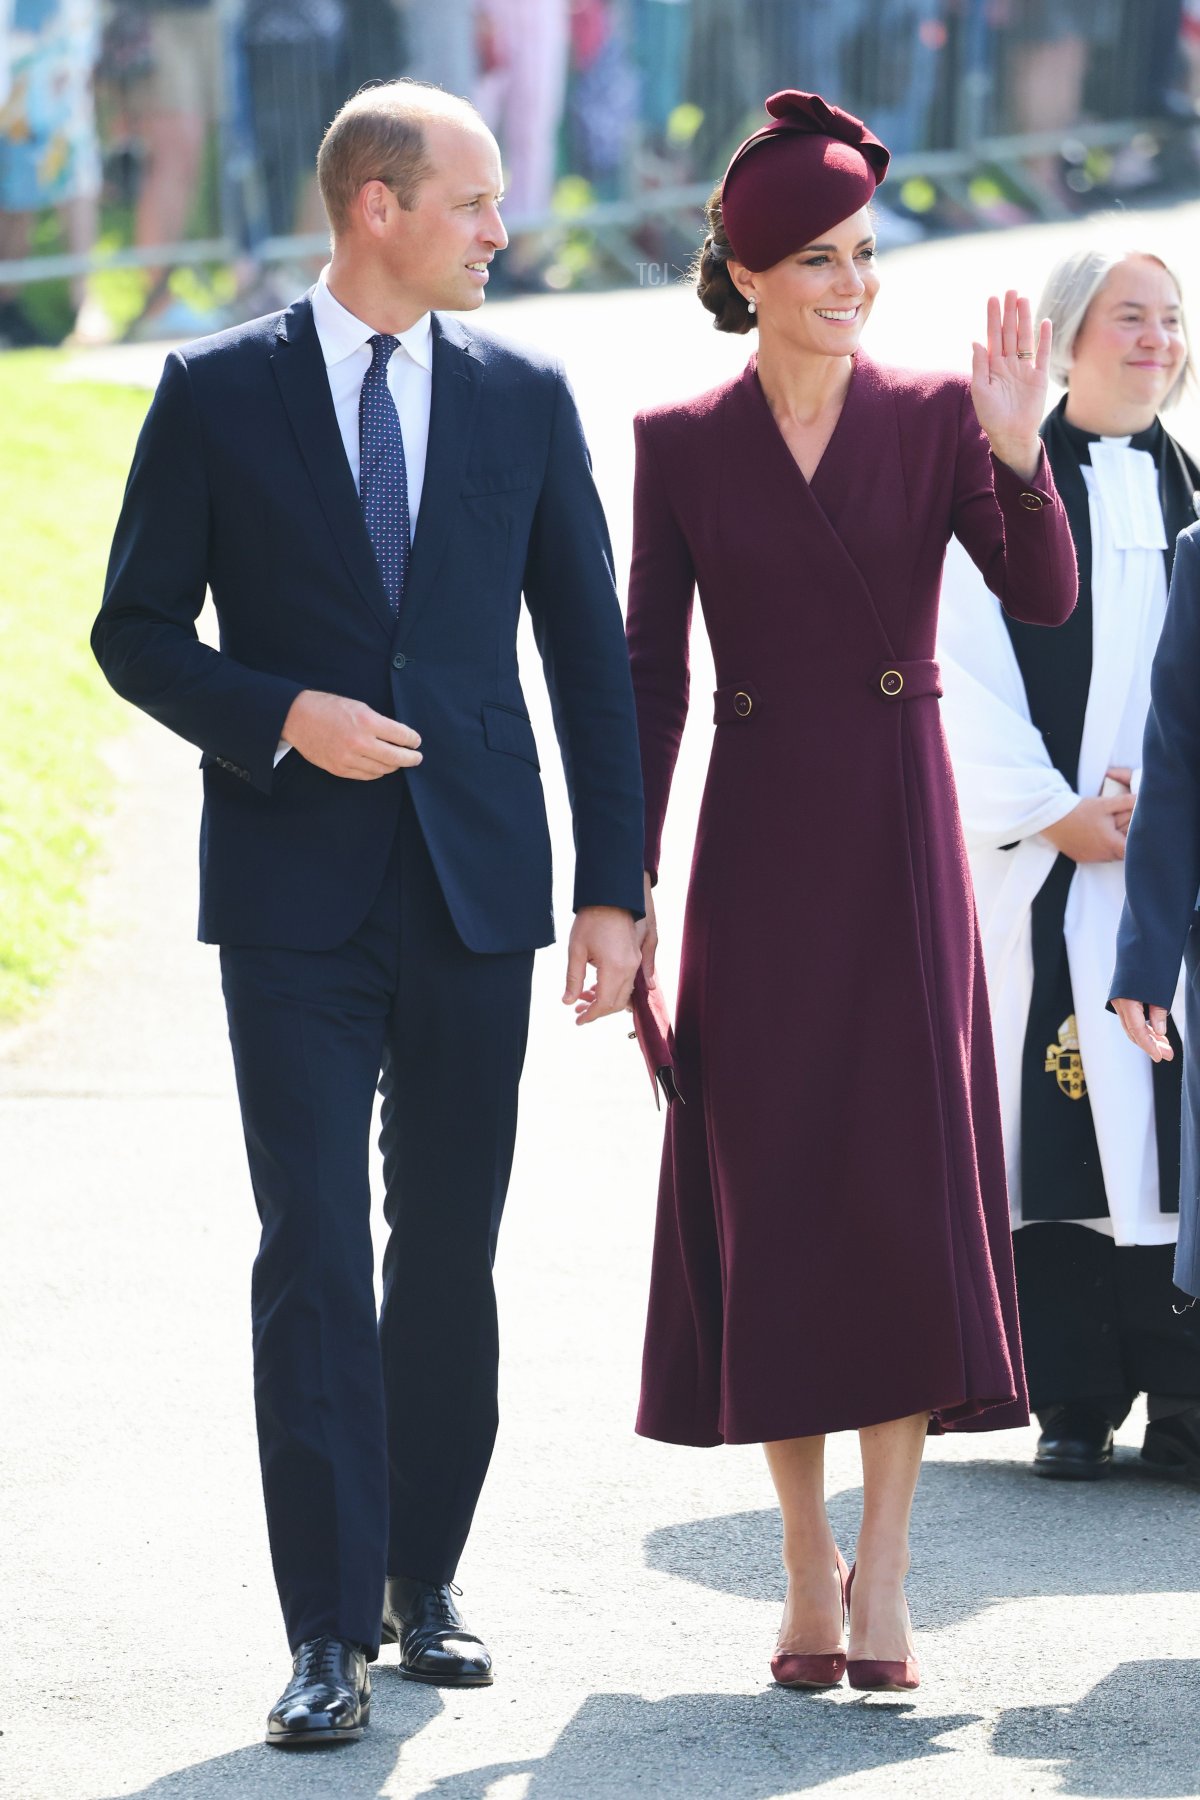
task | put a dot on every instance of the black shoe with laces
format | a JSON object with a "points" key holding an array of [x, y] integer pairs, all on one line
{"points": [[1172, 1445], [328, 1699], [435, 1645], [1076, 1443]]}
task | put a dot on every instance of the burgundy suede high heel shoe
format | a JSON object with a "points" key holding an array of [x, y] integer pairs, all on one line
{"points": [[792, 1670], [872, 1677]]}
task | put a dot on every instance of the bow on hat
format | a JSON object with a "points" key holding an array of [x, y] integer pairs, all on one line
{"points": [[811, 167]]}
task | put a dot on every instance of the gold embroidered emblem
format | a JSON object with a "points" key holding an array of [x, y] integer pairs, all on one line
{"points": [[1064, 1062]]}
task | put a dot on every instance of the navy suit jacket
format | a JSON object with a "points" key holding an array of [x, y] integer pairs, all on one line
{"points": [[1162, 855], [240, 484]]}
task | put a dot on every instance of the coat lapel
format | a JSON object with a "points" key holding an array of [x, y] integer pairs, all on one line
{"points": [[304, 388], [457, 380], [831, 566], [847, 487]]}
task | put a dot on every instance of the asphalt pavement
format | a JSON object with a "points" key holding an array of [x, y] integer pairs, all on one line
{"points": [[630, 1591]]}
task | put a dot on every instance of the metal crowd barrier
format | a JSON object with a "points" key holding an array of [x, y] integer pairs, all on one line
{"points": [[186, 129]]}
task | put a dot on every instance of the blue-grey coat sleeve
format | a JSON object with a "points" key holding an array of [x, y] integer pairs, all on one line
{"points": [[1162, 856]]}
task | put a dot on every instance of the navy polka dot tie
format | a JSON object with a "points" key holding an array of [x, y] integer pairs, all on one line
{"points": [[382, 478]]}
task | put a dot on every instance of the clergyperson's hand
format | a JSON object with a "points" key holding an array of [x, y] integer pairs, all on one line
{"points": [[1094, 831], [1149, 1034], [647, 935], [1119, 781], [348, 737], [1009, 382], [604, 937]]}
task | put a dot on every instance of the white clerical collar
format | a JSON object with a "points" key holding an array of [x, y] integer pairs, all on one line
{"points": [[341, 333], [1127, 484]]}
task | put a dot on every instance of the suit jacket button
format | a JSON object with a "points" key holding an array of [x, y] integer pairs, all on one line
{"points": [[743, 705], [1032, 502], [399, 660]]}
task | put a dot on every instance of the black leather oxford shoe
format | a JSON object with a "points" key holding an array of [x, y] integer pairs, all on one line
{"points": [[1076, 1443], [328, 1699], [435, 1645], [1172, 1445]]}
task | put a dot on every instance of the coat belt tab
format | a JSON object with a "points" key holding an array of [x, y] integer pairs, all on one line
{"points": [[738, 702], [917, 680]]}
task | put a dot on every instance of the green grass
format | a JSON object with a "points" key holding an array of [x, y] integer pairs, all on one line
{"points": [[64, 452]]}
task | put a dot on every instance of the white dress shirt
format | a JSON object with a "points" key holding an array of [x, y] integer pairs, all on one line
{"points": [[345, 345]]}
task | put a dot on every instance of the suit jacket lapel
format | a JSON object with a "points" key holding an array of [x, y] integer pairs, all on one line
{"points": [[457, 380], [304, 388]]}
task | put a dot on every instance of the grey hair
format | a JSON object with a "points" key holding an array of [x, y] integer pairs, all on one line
{"points": [[1067, 297]]}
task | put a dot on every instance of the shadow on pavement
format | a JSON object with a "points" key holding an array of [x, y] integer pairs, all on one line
{"points": [[742, 1747], [399, 1710], [983, 1532], [1142, 1708]]}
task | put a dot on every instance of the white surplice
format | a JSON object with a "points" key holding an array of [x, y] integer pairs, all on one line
{"points": [[1009, 793]]}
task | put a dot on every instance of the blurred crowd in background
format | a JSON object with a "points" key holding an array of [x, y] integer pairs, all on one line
{"points": [[156, 156]]}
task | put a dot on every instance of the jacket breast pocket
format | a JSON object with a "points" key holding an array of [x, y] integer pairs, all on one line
{"points": [[478, 482], [511, 733]]}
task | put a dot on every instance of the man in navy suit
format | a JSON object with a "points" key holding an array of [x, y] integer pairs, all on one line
{"points": [[368, 488]]}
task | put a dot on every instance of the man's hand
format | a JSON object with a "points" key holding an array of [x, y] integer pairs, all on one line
{"points": [[347, 738], [646, 930], [603, 936], [1149, 1035], [1094, 831]]}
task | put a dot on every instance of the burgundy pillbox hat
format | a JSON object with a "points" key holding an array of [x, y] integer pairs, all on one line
{"points": [[811, 167]]}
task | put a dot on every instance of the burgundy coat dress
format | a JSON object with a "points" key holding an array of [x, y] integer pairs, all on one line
{"points": [[832, 1247]]}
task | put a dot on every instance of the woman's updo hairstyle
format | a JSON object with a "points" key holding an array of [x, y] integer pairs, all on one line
{"points": [[710, 272]]}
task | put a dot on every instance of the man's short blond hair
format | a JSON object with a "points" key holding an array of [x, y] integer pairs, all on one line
{"points": [[379, 135]]}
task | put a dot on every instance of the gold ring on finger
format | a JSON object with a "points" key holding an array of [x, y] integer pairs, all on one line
{"points": [[1025, 355]]}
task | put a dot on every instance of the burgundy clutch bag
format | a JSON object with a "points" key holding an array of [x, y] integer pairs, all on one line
{"points": [[656, 1040]]}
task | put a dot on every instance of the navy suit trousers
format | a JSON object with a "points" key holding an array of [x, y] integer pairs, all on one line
{"points": [[375, 1433]]}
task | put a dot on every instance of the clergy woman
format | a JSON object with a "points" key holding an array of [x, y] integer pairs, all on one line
{"points": [[1045, 732], [832, 1249]]}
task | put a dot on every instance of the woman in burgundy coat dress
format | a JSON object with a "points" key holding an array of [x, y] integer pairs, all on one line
{"points": [[832, 1249]]}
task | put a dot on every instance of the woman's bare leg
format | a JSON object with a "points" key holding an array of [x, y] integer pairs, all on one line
{"points": [[812, 1613], [891, 1456]]}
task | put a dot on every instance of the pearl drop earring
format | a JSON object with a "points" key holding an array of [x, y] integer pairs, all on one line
{"points": [[752, 306]]}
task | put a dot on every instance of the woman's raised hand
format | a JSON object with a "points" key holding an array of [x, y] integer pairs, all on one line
{"points": [[1010, 377]]}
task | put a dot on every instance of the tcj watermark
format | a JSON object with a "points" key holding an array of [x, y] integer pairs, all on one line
{"points": [[658, 274]]}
